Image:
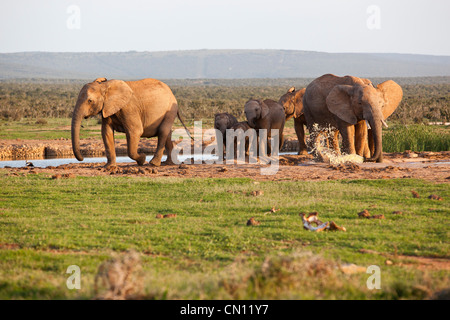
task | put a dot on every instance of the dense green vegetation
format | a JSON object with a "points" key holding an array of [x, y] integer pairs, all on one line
{"points": [[201, 99], [207, 251], [42, 109], [416, 137]]}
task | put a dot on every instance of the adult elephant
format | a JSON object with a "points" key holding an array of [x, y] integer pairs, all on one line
{"points": [[145, 108], [348, 104], [292, 101], [267, 114]]}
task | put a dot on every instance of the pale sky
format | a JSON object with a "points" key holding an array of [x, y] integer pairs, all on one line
{"points": [[387, 26]]}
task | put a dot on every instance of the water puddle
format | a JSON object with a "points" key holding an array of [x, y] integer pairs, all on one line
{"points": [[43, 163]]}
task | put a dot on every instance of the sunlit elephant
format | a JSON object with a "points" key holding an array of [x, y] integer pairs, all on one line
{"points": [[348, 104], [292, 101], [267, 114], [222, 122], [145, 108]]}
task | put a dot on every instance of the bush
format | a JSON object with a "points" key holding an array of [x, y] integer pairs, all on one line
{"points": [[41, 121], [416, 138]]}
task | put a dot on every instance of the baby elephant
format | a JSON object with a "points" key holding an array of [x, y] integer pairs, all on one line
{"points": [[222, 122], [267, 114], [244, 126]]}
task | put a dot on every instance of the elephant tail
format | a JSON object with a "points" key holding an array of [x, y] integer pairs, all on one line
{"points": [[181, 120]]}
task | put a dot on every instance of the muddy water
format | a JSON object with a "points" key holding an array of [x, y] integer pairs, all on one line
{"points": [[43, 163]]}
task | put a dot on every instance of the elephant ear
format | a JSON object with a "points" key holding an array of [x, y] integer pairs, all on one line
{"points": [[392, 94], [231, 120], [264, 109], [298, 102], [100, 80], [339, 103], [117, 96]]}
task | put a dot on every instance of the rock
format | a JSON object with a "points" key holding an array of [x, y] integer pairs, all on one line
{"points": [[253, 222], [397, 212], [364, 214], [257, 193], [435, 197], [415, 194], [334, 227]]}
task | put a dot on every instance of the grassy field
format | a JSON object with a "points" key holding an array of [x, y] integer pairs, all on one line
{"points": [[207, 251], [49, 128]]}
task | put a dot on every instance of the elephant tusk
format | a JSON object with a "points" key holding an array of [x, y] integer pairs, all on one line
{"points": [[384, 124], [368, 125]]}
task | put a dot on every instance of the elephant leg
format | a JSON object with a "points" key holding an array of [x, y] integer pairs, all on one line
{"points": [[336, 147], [281, 140], [108, 141], [300, 131], [348, 139], [269, 145], [164, 130], [371, 143], [133, 142], [361, 138], [169, 148]]}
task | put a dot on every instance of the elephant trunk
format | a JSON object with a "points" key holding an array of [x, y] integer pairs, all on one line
{"points": [[378, 141], [77, 117]]}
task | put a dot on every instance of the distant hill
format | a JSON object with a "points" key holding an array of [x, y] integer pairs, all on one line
{"points": [[217, 64]]}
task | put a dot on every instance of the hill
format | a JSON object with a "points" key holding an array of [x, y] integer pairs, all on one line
{"points": [[217, 64]]}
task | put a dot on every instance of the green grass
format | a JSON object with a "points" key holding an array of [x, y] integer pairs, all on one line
{"points": [[416, 138], [49, 128], [207, 251]]}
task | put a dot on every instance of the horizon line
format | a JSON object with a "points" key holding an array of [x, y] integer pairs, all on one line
{"points": [[204, 49]]}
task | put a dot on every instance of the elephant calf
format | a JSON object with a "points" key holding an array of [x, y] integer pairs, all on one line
{"points": [[244, 126], [268, 115], [145, 108], [222, 122], [292, 101]]}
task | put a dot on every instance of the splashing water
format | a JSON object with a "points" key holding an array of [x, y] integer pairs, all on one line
{"points": [[320, 141]]}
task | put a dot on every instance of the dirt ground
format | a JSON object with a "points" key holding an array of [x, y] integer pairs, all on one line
{"points": [[432, 166]]}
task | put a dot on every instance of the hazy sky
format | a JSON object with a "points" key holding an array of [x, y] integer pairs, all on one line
{"points": [[400, 26]]}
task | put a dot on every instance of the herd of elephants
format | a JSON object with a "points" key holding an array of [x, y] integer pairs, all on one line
{"points": [[351, 106]]}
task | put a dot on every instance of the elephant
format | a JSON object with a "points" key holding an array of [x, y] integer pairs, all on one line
{"points": [[244, 126], [267, 114], [145, 108], [349, 104], [222, 122], [292, 101]]}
